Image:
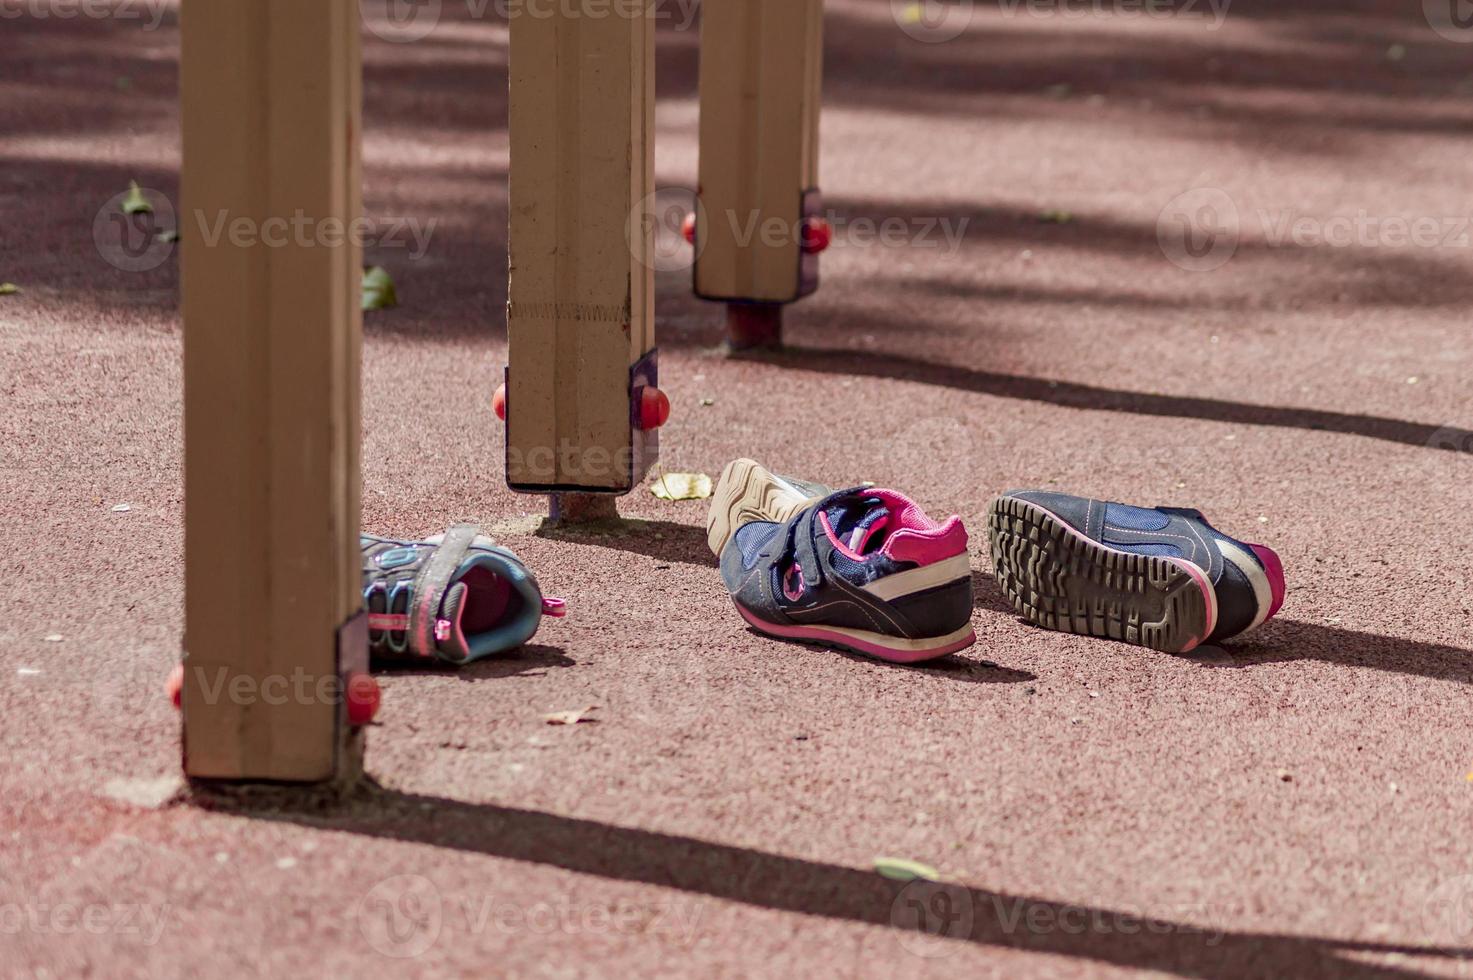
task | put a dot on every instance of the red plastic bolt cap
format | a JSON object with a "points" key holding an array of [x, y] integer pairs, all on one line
{"points": [[688, 229], [498, 403], [175, 685], [363, 697], [817, 235], [654, 408]]}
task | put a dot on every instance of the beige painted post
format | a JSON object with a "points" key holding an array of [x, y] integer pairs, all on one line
{"points": [[761, 93], [272, 336], [580, 316]]}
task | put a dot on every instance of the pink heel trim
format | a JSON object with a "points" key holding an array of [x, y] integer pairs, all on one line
{"points": [[1274, 568]]}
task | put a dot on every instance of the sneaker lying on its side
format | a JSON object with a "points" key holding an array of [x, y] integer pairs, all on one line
{"points": [[747, 492], [1162, 578], [862, 569], [455, 598]]}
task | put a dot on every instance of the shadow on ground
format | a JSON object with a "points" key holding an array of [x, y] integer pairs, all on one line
{"points": [[920, 911], [1283, 641], [884, 364], [661, 540], [530, 661]]}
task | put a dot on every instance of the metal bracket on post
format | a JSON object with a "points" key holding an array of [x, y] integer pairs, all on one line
{"points": [[358, 695]]}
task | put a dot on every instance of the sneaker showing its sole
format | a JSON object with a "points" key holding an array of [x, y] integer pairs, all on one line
{"points": [[748, 492], [1060, 580]]}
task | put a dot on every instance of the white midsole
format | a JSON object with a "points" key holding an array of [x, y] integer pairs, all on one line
{"points": [[891, 587], [1263, 592]]}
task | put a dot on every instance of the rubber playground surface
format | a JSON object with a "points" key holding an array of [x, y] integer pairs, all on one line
{"points": [[1293, 804]]}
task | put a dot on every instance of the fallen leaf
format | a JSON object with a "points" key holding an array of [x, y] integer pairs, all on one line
{"points": [[168, 237], [682, 486], [54, 638], [122, 508], [378, 289], [899, 869], [1056, 217], [135, 202], [707, 402], [1396, 52], [8, 289], [571, 717]]}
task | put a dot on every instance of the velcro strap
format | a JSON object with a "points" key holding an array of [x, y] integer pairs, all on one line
{"points": [[803, 532], [430, 585]]}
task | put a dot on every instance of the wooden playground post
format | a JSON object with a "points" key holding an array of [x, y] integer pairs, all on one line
{"points": [[581, 398], [272, 335], [760, 227]]}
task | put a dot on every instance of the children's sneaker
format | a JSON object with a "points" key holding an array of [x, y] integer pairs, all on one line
{"points": [[1162, 578], [863, 569], [456, 598], [747, 492]]}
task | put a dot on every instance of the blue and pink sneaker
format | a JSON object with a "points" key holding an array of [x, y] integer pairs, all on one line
{"points": [[1160, 577], [863, 569], [455, 598]]}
